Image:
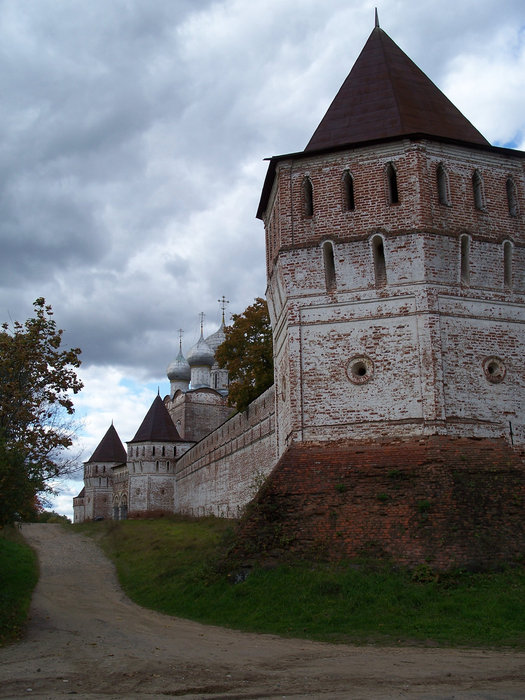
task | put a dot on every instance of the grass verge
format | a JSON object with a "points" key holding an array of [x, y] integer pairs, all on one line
{"points": [[18, 577], [178, 568]]}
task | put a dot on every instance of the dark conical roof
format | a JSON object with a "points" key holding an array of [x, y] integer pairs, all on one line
{"points": [[157, 425], [110, 448], [386, 95]]}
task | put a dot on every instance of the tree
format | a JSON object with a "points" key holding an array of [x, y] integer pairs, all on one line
{"points": [[247, 354], [36, 378]]}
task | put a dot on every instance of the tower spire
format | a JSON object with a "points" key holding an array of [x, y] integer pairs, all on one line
{"points": [[376, 19], [201, 316], [223, 301], [181, 333]]}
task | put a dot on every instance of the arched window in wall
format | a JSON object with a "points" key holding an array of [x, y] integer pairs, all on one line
{"points": [[478, 191], [329, 265], [348, 191], [308, 197], [378, 252], [393, 190], [512, 197], [443, 186], [464, 265], [507, 265]]}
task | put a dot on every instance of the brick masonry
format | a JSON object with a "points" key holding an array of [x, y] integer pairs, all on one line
{"points": [[220, 474], [448, 502], [426, 330]]}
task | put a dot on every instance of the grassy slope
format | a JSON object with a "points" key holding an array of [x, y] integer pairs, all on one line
{"points": [[174, 567], [18, 577]]}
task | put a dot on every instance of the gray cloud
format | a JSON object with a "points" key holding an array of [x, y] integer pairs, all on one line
{"points": [[134, 134]]}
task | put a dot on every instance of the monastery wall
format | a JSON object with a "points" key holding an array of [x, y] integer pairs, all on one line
{"points": [[222, 472]]}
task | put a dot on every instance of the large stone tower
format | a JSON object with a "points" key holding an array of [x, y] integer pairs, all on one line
{"points": [[395, 261], [396, 289]]}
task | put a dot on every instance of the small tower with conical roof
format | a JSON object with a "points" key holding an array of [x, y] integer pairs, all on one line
{"points": [[151, 462], [395, 264], [98, 476]]}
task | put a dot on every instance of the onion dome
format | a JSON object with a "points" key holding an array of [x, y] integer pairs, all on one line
{"points": [[179, 369], [216, 339], [201, 354]]}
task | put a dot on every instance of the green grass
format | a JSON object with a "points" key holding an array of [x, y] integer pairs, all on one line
{"points": [[18, 577], [178, 568]]}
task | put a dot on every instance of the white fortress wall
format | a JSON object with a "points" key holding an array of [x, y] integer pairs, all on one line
{"points": [[222, 472]]}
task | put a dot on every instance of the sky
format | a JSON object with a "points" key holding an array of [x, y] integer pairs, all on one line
{"points": [[134, 134]]}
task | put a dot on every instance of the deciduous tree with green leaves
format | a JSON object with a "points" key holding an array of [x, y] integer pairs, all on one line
{"points": [[37, 378], [247, 354]]}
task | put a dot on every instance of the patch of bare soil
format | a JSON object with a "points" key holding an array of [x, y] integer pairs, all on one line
{"points": [[85, 638]]}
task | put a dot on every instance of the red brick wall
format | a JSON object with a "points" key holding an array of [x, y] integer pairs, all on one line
{"points": [[442, 501]]}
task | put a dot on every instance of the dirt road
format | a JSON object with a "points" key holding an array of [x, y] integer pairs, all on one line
{"points": [[85, 638]]}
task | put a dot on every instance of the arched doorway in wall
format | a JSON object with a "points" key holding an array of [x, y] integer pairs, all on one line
{"points": [[123, 511]]}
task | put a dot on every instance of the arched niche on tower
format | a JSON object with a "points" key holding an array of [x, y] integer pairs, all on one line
{"points": [[329, 265], [443, 185], [377, 244]]}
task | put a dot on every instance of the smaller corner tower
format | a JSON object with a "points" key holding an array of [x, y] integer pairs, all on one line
{"points": [[109, 456], [151, 462]]}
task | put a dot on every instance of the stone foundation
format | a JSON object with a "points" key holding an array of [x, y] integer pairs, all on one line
{"points": [[440, 501]]}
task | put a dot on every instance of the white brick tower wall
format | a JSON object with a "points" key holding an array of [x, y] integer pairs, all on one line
{"points": [[398, 318]]}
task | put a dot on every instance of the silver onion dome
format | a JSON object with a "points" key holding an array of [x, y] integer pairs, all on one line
{"points": [[201, 354], [179, 369]]}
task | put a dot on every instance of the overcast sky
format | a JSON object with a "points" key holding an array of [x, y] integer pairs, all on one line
{"points": [[131, 158]]}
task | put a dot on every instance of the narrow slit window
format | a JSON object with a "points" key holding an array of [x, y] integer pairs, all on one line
{"points": [[378, 250], [512, 197], [465, 260], [477, 188], [348, 191], [442, 186], [507, 265], [393, 191], [308, 197], [329, 266]]}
